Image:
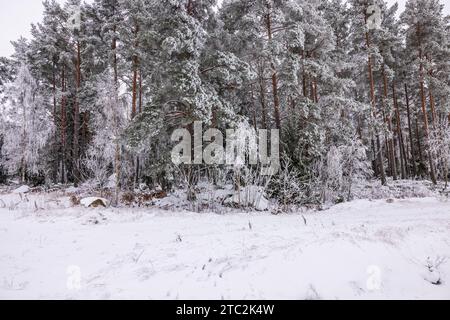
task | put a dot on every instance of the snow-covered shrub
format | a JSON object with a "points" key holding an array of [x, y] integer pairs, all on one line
{"points": [[355, 166], [96, 169], [343, 167], [333, 176], [249, 197], [286, 186], [250, 184]]}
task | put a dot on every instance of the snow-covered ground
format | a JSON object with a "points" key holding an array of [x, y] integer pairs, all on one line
{"points": [[358, 250]]}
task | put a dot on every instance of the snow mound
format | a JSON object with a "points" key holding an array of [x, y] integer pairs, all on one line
{"points": [[94, 202], [22, 189], [251, 196], [72, 189]]}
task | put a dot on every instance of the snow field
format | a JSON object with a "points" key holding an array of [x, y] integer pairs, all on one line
{"points": [[358, 250]]}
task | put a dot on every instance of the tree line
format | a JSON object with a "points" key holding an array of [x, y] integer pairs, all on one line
{"points": [[96, 92]]}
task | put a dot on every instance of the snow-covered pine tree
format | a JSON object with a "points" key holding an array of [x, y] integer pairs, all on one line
{"points": [[366, 53], [103, 158], [27, 126]]}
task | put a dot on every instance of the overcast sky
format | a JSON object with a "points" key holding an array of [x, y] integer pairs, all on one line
{"points": [[17, 15]]}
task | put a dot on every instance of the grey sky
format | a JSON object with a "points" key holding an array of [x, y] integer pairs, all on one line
{"points": [[17, 15], [15, 19]]}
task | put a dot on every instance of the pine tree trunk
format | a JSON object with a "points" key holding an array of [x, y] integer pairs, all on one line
{"points": [[373, 104], [276, 99], [431, 97], [137, 171], [375, 158], [432, 106], [445, 173], [63, 127], [189, 7], [114, 46], [23, 164], [84, 130], [255, 123], [262, 98], [303, 75], [117, 155], [391, 149], [117, 151], [403, 158], [134, 89], [419, 146], [55, 117], [411, 141], [140, 91], [117, 166], [76, 119], [54, 90], [386, 147], [135, 74], [424, 111]]}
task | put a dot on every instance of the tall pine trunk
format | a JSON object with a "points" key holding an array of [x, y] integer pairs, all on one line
{"points": [[424, 110], [262, 97], [390, 141], [55, 120], [23, 164], [114, 46], [76, 118], [276, 99], [135, 74], [411, 138], [419, 147], [63, 126], [403, 158], [373, 104]]}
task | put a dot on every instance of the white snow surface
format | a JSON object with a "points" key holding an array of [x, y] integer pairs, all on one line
{"points": [[357, 250]]}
